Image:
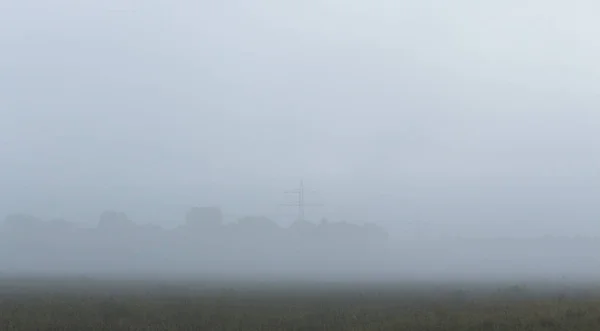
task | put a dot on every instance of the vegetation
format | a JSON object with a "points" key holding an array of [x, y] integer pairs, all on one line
{"points": [[90, 305], [203, 242]]}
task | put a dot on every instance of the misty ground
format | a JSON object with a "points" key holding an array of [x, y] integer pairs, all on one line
{"points": [[86, 303]]}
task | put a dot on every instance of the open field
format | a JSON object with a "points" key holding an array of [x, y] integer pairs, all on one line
{"points": [[89, 304]]}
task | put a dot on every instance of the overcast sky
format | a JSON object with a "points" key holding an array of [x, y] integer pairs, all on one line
{"points": [[478, 117]]}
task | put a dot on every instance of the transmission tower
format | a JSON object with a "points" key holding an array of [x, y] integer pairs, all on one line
{"points": [[300, 202]]}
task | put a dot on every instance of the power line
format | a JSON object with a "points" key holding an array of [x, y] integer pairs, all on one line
{"points": [[301, 203]]}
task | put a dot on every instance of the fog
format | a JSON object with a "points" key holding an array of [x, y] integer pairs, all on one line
{"points": [[204, 247], [466, 130]]}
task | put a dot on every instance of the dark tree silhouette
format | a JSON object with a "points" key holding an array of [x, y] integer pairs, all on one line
{"points": [[204, 217], [257, 223], [203, 243], [115, 221], [22, 223]]}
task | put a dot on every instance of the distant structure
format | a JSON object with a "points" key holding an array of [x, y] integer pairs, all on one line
{"points": [[300, 202]]}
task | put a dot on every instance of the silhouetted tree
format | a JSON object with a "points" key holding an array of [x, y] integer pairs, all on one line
{"points": [[202, 242], [375, 233], [302, 227], [257, 223], [60, 224], [114, 221], [204, 217], [22, 223]]}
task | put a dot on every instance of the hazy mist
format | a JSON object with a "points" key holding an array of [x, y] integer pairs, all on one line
{"points": [[429, 118], [203, 246]]}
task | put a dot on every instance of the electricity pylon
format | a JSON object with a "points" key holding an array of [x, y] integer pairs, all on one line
{"points": [[301, 203]]}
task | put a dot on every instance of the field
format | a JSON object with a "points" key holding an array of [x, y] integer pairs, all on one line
{"points": [[91, 304]]}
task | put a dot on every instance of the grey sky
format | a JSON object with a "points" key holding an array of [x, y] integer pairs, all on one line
{"points": [[479, 118]]}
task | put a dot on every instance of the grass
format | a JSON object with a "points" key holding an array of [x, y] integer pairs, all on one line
{"points": [[119, 305]]}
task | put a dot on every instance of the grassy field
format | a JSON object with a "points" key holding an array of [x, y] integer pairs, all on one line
{"points": [[85, 304]]}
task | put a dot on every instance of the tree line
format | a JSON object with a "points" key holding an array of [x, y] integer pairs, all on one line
{"points": [[202, 242]]}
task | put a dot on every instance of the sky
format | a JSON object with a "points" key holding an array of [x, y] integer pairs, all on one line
{"points": [[467, 117]]}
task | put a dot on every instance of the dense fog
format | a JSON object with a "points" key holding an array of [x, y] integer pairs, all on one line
{"points": [[256, 248], [443, 139]]}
